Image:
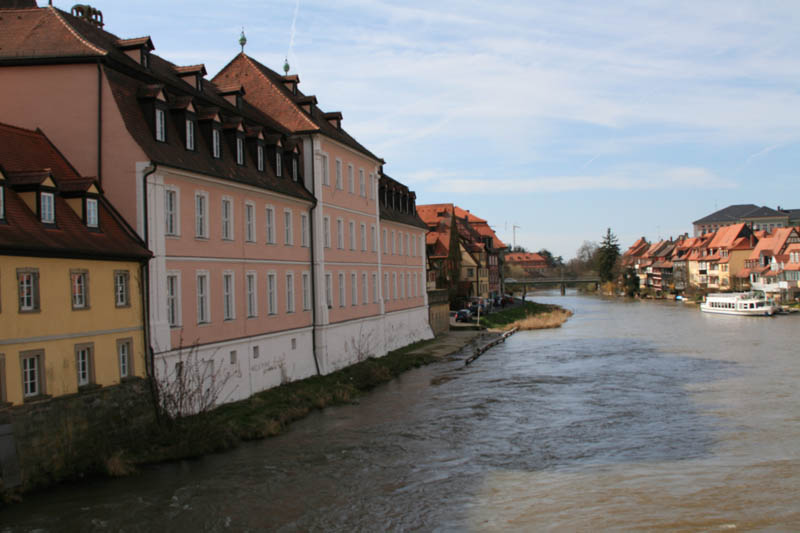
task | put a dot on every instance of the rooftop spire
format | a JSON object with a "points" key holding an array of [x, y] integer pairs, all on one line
{"points": [[242, 40], [286, 65]]}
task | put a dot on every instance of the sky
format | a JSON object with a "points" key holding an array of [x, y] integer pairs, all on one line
{"points": [[560, 118]]}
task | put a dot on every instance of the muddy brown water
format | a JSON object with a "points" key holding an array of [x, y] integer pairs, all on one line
{"points": [[633, 416]]}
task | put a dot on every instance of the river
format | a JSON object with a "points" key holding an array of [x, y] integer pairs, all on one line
{"points": [[633, 416]]}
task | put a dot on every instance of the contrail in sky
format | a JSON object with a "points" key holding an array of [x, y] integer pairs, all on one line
{"points": [[294, 21]]}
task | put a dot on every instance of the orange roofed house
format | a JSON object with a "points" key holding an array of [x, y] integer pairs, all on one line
{"points": [[278, 243]]}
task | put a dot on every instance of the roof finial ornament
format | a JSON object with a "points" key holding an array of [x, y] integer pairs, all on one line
{"points": [[242, 40], [286, 66]]}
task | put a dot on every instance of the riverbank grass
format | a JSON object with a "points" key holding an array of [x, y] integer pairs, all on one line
{"points": [[530, 315], [270, 412]]}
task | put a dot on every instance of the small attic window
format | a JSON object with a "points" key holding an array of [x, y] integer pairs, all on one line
{"points": [[260, 157], [161, 130], [294, 167], [199, 83], [278, 162], [47, 209], [189, 134], [91, 213], [239, 150], [215, 143], [145, 58]]}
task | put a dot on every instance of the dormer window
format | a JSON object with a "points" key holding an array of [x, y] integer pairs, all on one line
{"points": [[91, 212], [215, 143], [239, 150], [161, 129], [189, 134], [260, 157], [294, 168], [278, 163], [145, 58], [47, 210]]}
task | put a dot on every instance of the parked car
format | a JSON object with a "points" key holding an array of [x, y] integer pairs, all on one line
{"points": [[464, 315]]}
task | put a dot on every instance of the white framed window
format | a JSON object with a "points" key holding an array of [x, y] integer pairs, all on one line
{"points": [[83, 363], [402, 286], [216, 145], [372, 186], [288, 230], [364, 289], [340, 233], [228, 292], [173, 299], [122, 293], [394, 243], [328, 291], [227, 219], [362, 186], [304, 230], [278, 162], [342, 290], [306, 280], [250, 222], [251, 286], [290, 292], [385, 243], [91, 212], [326, 231], [294, 168], [400, 243], [272, 295], [339, 174], [363, 237], [47, 209], [201, 214], [189, 134], [353, 289], [373, 238], [203, 298], [32, 373], [352, 235], [28, 283], [260, 158], [406, 247], [79, 280], [171, 211], [385, 286], [394, 285], [326, 177], [350, 179], [124, 357], [374, 287], [269, 215], [161, 130], [239, 150]]}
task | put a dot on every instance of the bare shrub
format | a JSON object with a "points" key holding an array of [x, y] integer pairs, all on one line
{"points": [[192, 386], [550, 319], [362, 346]]}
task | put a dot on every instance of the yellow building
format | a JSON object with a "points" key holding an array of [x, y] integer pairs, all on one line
{"points": [[71, 306]]}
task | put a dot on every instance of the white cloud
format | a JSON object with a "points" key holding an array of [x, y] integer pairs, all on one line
{"points": [[622, 179]]}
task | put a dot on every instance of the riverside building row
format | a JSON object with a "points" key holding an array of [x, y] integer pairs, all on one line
{"points": [[280, 248], [734, 257]]}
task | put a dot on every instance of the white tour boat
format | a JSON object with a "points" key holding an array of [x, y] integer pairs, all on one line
{"points": [[739, 303]]}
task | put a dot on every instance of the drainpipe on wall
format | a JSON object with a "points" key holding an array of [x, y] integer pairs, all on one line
{"points": [[149, 362], [313, 264]]}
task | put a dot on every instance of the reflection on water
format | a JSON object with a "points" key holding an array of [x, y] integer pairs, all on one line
{"points": [[634, 415]]}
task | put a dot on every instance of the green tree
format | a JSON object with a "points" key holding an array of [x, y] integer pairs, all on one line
{"points": [[630, 282], [607, 256], [552, 261]]}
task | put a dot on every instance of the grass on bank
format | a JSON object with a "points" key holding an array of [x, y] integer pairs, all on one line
{"points": [[530, 315], [269, 412]]}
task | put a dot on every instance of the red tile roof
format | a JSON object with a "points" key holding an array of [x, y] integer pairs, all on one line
{"points": [[25, 153]]}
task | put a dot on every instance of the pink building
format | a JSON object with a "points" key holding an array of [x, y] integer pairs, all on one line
{"points": [[260, 210]]}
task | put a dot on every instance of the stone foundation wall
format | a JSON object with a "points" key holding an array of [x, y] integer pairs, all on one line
{"points": [[67, 437]]}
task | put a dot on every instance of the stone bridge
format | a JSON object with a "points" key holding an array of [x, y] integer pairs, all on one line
{"points": [[559, 281]]}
